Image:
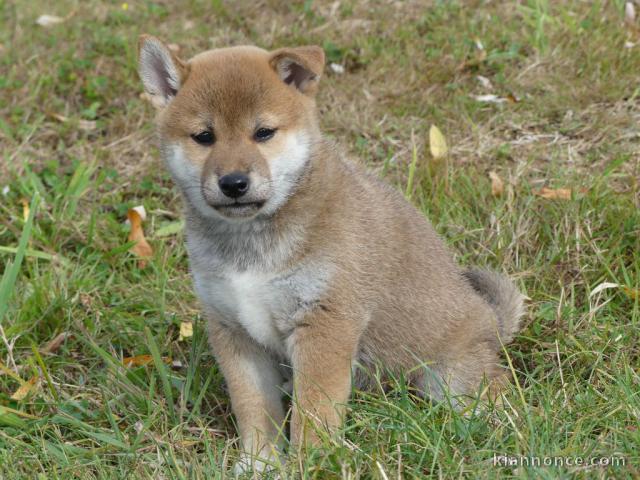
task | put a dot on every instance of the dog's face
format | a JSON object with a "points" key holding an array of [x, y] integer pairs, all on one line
{"points": [[235, 124]]}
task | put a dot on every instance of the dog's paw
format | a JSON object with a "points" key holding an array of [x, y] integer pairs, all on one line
{"points": [[257, 465]]}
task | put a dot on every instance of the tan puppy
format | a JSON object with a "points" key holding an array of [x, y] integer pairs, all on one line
{"points": [[306, 265]]}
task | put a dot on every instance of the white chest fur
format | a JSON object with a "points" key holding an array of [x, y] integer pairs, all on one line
{"points": [[267, 305]]}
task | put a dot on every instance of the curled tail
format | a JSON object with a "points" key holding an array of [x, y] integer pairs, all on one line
{"points": [[503, 296]]}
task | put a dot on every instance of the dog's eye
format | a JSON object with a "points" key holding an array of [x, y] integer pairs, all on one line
{"points": [[264, 134], [204, 138]]}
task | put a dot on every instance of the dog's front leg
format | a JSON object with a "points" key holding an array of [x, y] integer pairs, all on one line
{"points": [[254, 384], [322, 350]]}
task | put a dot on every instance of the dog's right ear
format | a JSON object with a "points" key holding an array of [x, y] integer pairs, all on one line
{"points": [[162, 73]]}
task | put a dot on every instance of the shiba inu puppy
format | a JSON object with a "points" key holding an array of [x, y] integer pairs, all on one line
{"points": [[307, 267]]}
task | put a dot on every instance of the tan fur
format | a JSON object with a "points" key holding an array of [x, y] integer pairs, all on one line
{"points": [[390, 293]]}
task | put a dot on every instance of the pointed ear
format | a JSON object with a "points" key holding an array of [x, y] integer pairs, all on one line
{"points": [[301, 67], [162, 73]]}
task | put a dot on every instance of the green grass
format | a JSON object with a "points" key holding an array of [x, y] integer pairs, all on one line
{"points": [[576, 363]]}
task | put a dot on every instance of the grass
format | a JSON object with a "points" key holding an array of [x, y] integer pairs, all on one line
{"points": [[77, 143]]}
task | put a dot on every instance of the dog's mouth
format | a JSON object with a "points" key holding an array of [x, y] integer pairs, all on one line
{"points": [[239, 209]]}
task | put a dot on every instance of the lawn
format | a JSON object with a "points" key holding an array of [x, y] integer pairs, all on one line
{"points": [[543, 94]]}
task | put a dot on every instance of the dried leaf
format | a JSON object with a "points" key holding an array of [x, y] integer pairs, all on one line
{"points": [[485, 82], [49, 20], [481, 54], [497, 185], [142, 360], [554, 194], [633, 293], [511, 98], [141, 247], [629, 13], [60, 118], [26, 388], [186, 330], [25, 209], [87, 125], [437, 143], [55, 344], [141, 211], [490, 98], [337, 68]]}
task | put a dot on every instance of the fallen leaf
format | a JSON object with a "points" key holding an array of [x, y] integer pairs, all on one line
{"points": [[87, 125], [174, 47], [55, 344], [337, 68], [497, 185], [633, 293], [490, 98], [481, 54], [49, 20], [26, 388], [186, 330], [437, 143], [629, 13], [511, 98], [25, 209], [554, 194], [141, 248], [485, 82], [141, 211], [142, 360]]}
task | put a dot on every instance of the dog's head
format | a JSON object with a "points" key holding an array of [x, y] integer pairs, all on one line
{"points": [[236, 124]]}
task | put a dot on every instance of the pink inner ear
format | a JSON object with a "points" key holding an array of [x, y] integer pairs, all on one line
{"points": [[163, 78]]}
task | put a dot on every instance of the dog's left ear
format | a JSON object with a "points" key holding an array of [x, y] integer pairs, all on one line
{"points": [[300, 67]]}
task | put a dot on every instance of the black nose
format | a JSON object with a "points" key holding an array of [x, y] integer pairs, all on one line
{"points": [[234, 184]]}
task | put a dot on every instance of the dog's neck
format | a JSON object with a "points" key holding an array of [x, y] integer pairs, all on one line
{"points": [[265, 242]]}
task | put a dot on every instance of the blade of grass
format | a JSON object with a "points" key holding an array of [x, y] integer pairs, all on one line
{"points": [[412, 169], [45, 371], [162, 371], [10, 275], [35, 254]]}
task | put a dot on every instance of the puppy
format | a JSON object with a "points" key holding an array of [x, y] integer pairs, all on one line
{"points": [[306, 266]]}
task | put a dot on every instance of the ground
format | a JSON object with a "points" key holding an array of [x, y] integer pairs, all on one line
{"points": [[78, 139]]}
